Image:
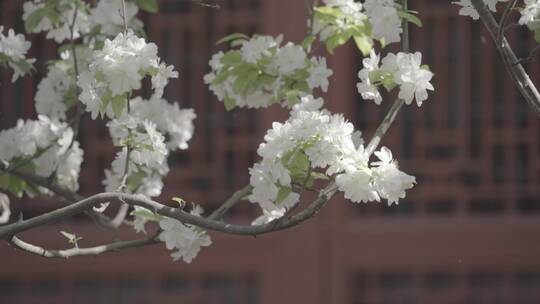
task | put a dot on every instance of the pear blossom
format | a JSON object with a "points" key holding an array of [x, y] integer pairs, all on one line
{"points": [[107, 15], [467, 8], [186, 239], [58, 151], [253, 50], [365, 87], [4, 208], [319, 74], [383, 16], [290, 58], [51, 92], [117, 70], [389, 181], [403, 69], [357, 186], [414, 81], [262, 72], [59, 30], [13, 49], [326, 143], [530, 14], [169, 119]]}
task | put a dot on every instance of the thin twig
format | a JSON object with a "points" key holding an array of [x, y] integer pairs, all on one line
{"points": [[230, 202], [124, 17], [515, 69], [394, 110], [73, 252], [509, 7]]}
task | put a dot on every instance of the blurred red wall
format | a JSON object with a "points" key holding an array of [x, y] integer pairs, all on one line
{"points": [[469, 232]]}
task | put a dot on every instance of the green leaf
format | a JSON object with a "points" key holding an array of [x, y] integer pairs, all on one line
{"points": [[292, 97], [282, 194], [148, 215], [221, 76], [12, 184], [34, 19], [118, 104], [229, 103], [336, 40], [179, 200], [364, 44], [231, 58], [328, 14], [308, 41], [70, 96], [410, 18], [318, 175], [72, 238], [231, 37], [134, 180], [537, 35], [150, 6], [297, 162]]}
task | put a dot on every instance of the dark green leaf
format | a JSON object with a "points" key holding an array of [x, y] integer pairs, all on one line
{"points": [[231, 37], [150, 6]]}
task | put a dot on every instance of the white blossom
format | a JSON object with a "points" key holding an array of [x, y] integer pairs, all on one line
{"points": [[357, 186], [414, 80], [389, 181], [4, 208], [59, 30], [51, 92], [187, 240], [383, 16], [172, 121], [467, 8], [14, 48], [319, 74], [117, 70], [108, 15], [366, 87], [530, 14], [290, 58], [269, 73]]}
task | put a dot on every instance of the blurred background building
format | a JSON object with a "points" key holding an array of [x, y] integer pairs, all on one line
{"points": [[469, 232]]}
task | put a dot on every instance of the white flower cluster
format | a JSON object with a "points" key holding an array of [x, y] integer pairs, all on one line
{"points": [[13, 49], [530, 14], [175, 123], [384, 19], [50, 146], [145, 130], [262, 73], [403, 69], [351, 15], [107, 15], [467, 8], [117, 70], [57, 91], [313, 139], [56, 18], [340, 20], [147, 159], [186, 239]]}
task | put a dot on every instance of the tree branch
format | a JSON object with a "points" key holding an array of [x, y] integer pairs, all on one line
{"points": [[73, 252], [8, 231], [515, 69], [65, 194], [230, 202]]}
